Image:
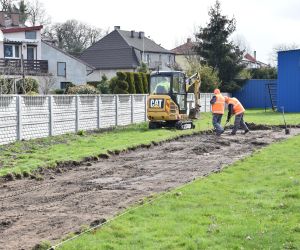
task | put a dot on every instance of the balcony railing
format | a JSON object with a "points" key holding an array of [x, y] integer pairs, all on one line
{"points": [[31, 67]]}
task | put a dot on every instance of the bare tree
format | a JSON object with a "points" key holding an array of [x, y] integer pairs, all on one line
{"points": [[240, 41], [48, 81], [73, 36], [7, 5], [37, 14], [279, 47]]}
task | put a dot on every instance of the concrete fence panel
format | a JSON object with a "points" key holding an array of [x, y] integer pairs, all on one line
{"points": [[29, 117]]}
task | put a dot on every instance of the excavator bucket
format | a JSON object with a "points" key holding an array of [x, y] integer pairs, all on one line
{"points": [[195, 113]]}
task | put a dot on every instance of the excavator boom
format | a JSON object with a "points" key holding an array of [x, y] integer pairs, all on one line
{"points": [[195, 82]]}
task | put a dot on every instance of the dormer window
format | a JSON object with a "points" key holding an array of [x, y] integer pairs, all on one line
{"points": [[11, 51]]}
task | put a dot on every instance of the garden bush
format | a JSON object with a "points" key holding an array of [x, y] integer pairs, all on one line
{"points": [[145, 82], [103, 85], [82, 90], [30, 85], [121, 86], [138, 80], [130, 80]]}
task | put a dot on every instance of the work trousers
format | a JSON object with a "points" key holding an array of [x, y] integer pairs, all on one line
{"points": [[216, 120], [239, 123]]}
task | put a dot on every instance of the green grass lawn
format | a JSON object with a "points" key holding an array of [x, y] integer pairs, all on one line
{"points": [[25, 156], [253, 204]]}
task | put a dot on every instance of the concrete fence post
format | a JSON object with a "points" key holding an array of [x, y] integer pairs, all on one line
{"points": [[205, 103], [77, 125], [117, 108], [50, 105], [145, 102], [19, 117], [132, 108], [98, 111]]}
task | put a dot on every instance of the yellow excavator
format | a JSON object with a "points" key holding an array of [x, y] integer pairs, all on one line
{"points": [[167, 102]]}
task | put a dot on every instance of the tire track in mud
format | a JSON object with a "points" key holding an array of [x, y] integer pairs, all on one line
{"points": [[33, 211]]}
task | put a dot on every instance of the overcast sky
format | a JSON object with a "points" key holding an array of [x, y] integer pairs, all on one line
{"points": [[262, 23]]}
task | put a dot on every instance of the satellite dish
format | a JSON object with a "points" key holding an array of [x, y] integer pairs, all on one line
{"points": [[1, 36]]}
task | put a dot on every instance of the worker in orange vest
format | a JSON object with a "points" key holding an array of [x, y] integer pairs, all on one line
{"points": [[237, 109], [218, 106]]}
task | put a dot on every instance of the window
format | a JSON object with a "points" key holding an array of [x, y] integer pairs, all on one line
{"points": [[17, 51], [160, 84], [148, 59], [8, 51], [30, 34], [65, 85], [159, 58], [61, 69], [31, 53], [11, 51]]}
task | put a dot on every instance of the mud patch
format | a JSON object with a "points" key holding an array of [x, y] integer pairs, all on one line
{"points": [[201, 149], [81, 193]]}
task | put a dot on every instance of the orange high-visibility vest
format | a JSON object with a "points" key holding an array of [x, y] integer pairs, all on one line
{"points": [[237, 106], [219, 106]]}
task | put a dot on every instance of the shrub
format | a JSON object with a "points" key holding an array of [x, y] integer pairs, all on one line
{"points": [[30, 85], [121, 85], [31, 93], [143, 68], [103, 85], [209, 77], [6, 86], [263, 73], [93, 83], [112, 84], [82, 90], [69, 85], [145, 82], [138, 80], [131, 85], [59, 91]]}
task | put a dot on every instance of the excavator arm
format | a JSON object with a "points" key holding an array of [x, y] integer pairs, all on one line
{"points": [[195, 82]]}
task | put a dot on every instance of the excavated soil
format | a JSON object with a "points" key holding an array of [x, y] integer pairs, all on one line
{"points": [[32, 211]]}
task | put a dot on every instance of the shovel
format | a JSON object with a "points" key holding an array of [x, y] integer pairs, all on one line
{"points": [[226, 124], [287, 130]]}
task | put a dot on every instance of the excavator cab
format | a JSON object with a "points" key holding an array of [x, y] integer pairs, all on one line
{"points": [[167, 102]]}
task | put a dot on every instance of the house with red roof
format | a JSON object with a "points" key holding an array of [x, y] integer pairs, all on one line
{"points": [[24, 53], [185, 54]]}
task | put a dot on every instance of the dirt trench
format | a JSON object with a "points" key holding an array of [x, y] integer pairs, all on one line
{"points": [[32, 211]]}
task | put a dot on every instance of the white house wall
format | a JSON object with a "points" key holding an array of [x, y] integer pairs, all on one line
{"points": [[1, 50], [155, 58], [21, 36], [76, 72]]}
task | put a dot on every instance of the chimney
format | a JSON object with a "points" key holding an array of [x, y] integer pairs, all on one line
{"points": [[189, 40], [117, 27], [2, 19], [132, 34], [141, 34], [254, 54], [15, 19]]}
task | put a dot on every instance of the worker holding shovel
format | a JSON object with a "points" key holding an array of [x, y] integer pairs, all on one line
{"points": [[237, 109], [217, 105]]}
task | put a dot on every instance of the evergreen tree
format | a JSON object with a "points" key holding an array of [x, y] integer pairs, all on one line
{"points": [[145, 82], [103, 85], [130, 80], [217, 51], [121, 86], [138, 80]]}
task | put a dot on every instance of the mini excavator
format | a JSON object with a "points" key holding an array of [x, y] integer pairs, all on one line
{"points": [[167, 100]]}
